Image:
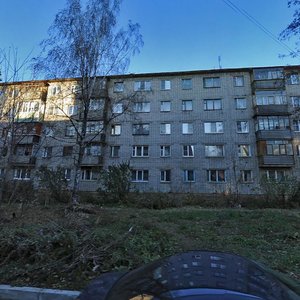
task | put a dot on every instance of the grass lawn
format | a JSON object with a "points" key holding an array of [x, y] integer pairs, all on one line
{"points": [[56, 247]]}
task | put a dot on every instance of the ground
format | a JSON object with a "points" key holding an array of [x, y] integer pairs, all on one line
{"points": [[57, 247]]}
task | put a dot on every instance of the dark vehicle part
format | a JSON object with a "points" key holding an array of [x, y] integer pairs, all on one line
{"points": [[203, 275]]}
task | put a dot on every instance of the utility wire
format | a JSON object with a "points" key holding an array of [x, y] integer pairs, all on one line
{"points": [[259, 25]]}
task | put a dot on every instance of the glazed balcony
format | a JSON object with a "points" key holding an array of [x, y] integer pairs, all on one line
{"points": [[273, 84], [92, 160], [276, 160], [24, 160], [271, 109], [279, 134]]}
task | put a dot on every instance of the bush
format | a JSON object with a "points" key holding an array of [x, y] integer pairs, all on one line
{"points": [[18, 191]]}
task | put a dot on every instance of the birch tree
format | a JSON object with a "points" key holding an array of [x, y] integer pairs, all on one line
{"points": [[84, 42]]}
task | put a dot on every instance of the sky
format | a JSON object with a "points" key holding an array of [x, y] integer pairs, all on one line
{"points": [[178, 35]]}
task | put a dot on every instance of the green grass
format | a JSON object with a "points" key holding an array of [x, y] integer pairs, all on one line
{"points": [[74, 247]]}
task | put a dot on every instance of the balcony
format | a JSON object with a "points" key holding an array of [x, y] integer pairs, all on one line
{"points": [[272, 109], [282, 134], [24, 160], [274, 84], [90, 160], [276, 161]]}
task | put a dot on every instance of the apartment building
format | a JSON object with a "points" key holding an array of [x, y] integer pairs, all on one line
{"points": [[210, 131]]}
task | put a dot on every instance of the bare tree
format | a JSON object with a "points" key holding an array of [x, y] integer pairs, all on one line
{"points": [[84, 42]]}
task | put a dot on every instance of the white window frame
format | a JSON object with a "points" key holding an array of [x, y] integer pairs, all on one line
{"points": [[188, 150], [142, 85], [238, 81], [118, 86], [276, 174], [140, 151], [295, 101], [242, 126], [96, 104], [213, 127], [88, 174], [296, 125], [94, 127], [214, 150], [244, 150], [187, 128], [244, 176], [187, 105], [115, 151], [165, 85], [117, 108], [211, 82], [216, 173], [189, 176], [165, 176], [212, 104], [141, 107], [116, 129], [92, 150], [165, 151], [165, 128], [186, 83], [141, 129], [240, 103], [139, 175], [22, 173], [165, 106], [67, 174], [47, 152]]}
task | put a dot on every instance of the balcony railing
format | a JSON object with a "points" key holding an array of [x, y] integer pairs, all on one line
{"points": [[274, 84], [279, 134], [272, 109], [24, 160], [90, 160], [276, 160]]}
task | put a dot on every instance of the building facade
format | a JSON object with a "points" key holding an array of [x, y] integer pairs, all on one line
{"points": [[213, 131]]}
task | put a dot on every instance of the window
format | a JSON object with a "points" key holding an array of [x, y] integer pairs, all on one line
{"points": [[22, 173], [28, 107], [2, 170], [115, 151], [70, 130], [188, 150], [75, 88], [118, 87], [96, 104], [212, 104], [117, 108], [298, 149], [165, 85], [51, 110], [186, 84], [246, 176], [187, 128], [275, 174], [188, 175], [296, 101], [211, 82], [244, 150], [140, 129], [187, 105], [72, 110], [89, 174], [67, 174], [272, 123], [140, 151], [165, 151], [47, 152], [238, 80], [279, 147], [139, 107], [240, 103], [214, 150], [165, 128], [165, 175], [139, 175], [116, 129], [67, 150], [268, 74], [296, 125], [242, 126], [293, 78], [94, 127], [165, 106], [142, 85], [92, 150], [216, 175], [270, 99], [213, 127], [55, 90], [23, 150]]}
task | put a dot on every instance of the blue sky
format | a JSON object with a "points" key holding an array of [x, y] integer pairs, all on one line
{"points": [[178, 34]]}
